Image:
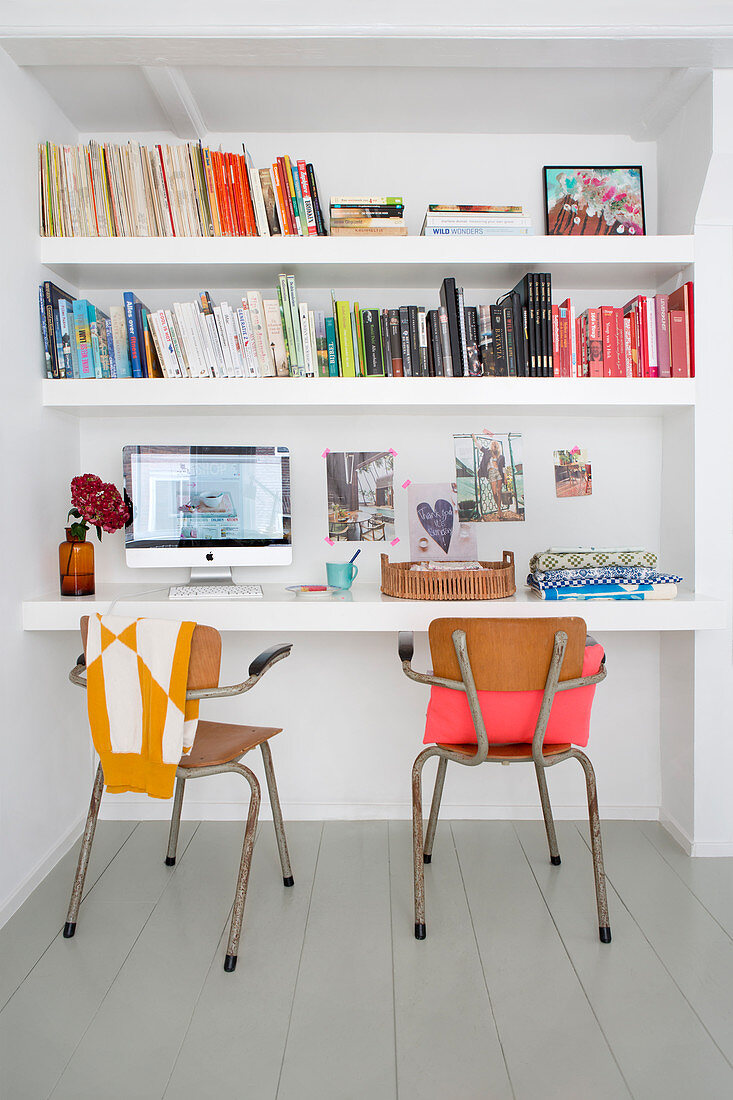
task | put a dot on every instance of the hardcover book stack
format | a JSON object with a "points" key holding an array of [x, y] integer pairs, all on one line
{"points": [[368, 216], [182, 190], [475, 221]]}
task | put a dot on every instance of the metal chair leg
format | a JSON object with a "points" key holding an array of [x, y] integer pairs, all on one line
{"points": [[86, 848], [604, 927], [170, 858], [434, 809], [417, 844], [547, 814], [249, 839], [277, 815]]}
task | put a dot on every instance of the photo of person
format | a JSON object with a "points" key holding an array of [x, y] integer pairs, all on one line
{"points": [[360, 496], [489, 477], [572, 473]]}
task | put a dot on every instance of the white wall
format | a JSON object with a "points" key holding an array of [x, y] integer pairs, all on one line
{"points": [[44, 751]]}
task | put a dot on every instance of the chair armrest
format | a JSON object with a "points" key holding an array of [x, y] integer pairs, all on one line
{"points": [[584, 681], [76, 673], [257, 669], [406, 649], [269, 657]]}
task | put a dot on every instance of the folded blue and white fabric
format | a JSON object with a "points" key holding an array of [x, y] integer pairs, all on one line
{"points": [[607, 592], [603, 574]]}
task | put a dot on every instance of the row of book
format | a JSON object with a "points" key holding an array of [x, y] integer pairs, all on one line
{"points": [[652, 336], [475, 221], [185, 190], [368, 215], [523, 335]]}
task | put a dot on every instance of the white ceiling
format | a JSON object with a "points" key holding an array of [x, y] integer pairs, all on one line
{"points": [[227, 98]]}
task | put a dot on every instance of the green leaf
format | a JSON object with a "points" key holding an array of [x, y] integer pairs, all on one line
{"points": [[74, 512], [99, 533]]}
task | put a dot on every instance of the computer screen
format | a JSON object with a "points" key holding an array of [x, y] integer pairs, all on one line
{"points": [[202, 506]]}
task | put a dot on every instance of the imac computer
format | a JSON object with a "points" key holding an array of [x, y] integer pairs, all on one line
{"points": [[208, 508]]}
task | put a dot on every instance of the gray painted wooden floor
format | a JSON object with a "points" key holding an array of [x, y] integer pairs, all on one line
{"points": [[511, 995]]}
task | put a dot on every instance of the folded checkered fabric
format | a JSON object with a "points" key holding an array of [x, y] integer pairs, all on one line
{"points": [[601, 574], [551, 559], [608, 592]]}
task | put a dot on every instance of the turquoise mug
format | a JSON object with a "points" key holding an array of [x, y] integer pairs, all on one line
{"points": [[341, 574]]}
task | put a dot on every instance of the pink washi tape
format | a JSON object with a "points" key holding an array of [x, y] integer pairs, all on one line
{"points": [[391, 451], [406, 483], [326, 452], [487, 432], [394, 542], [329, 541]]}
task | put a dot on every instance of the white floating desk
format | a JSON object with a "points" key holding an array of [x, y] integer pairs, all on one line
{"points": [[364, 608]]}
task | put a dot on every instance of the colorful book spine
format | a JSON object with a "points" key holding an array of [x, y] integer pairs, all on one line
{"points": [[295, 314], [83, 339], [275, 336], [310, 214], [320, 224], [44, 335], [333, 366], [346, 342], [661, 310], [68, 343]]}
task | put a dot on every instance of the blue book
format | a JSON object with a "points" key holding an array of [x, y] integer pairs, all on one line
{"points": [[120, 342], [44, 333], [135, 334], [83, 337], [110, 348], [94, 339], [68, 340], [333, 363]]}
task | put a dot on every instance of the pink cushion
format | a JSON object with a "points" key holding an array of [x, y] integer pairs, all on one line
{"points": [[511, 716]]}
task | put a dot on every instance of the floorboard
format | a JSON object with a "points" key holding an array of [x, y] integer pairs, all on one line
{"points": [[552, 1041], [691, 944], [46, 1018], [341, 1040], [660, 1045], [236, 1039], [150, 1005], [30, 930], [709, 878]]}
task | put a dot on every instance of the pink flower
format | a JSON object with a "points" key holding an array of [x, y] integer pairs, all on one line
{"points": [[98, 503]]}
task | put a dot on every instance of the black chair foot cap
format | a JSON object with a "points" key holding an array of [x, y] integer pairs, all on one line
{"points": [[69, 929], [605, 934], [420, 932], [555, 861], [170, 861], [229, 963], [427, 859], [289, 881]]}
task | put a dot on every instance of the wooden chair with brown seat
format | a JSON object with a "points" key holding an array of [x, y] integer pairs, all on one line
{"points": [[504, 655], [218, 747]]}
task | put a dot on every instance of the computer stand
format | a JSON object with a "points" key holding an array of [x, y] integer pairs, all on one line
{"points": [[211, 574]]}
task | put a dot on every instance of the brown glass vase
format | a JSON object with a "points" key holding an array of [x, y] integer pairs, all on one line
{"points": [[76, 566]]}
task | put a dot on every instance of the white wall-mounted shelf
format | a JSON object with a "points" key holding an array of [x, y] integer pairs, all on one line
{"points": [[414, 262], [364, 608], [227, 396]]}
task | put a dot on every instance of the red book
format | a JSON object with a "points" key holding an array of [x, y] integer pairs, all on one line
{"points": [[628, 353], [240, 223], [679, 343], [286, 196], [618, 316], [610, 342], [638, 307], [564, 333], [683, 299], [222, 195], [167, 193], [247, 191], [307, 199], [661, 309], [556, 359], [580, 344], [241, 183], [593, 343]]}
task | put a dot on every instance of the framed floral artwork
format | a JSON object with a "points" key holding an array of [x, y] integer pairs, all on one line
{"points": [[594, 202]]}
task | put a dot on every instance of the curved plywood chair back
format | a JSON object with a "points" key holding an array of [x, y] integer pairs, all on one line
{"points": [[205, 660], [507, 654]]}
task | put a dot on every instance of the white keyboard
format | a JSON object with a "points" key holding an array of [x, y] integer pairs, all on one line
{"points": [[215, 592]]}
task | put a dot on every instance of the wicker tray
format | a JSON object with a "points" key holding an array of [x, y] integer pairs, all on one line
{"points": [[493, 582]]}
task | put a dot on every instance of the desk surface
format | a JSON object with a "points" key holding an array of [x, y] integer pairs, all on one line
{"points": [[364, 608]]}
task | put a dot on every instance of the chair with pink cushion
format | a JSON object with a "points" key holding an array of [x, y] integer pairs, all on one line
{"points": [[507, 691]]}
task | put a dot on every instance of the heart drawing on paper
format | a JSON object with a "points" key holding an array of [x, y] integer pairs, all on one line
{"points": [[438, 521]]}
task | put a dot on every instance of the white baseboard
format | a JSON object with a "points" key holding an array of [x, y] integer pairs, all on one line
{"points": [[675, 830], [713, 848], [14, 901], [154, 810]]}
